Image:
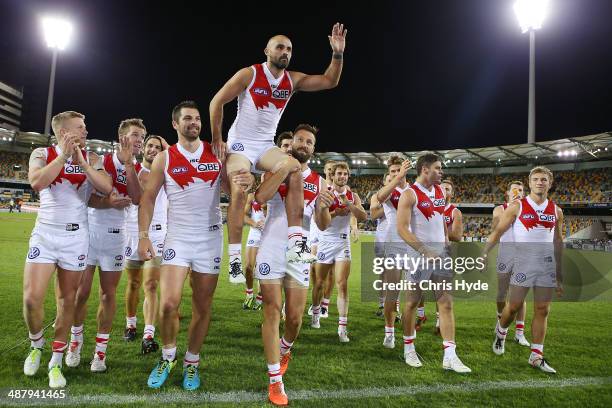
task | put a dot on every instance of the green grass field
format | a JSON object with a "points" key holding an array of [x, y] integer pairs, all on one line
{"points": [[323, 372]]}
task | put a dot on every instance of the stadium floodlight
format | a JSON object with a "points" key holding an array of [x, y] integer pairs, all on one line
{"points": [[57, 34], [531, 14]]}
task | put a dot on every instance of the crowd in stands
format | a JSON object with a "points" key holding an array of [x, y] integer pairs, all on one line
{"points": [[593, 186], [14, 165]]}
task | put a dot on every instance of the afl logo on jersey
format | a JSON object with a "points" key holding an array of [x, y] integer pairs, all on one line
{"points": [[264, 269], [260, 91], [527, 216], [179, 170], [424, 204], [238, 147]]}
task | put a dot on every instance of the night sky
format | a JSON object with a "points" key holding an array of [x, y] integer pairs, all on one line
{"points": [[417, 74]]}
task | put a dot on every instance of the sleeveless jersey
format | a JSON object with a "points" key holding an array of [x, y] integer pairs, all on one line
{"points": [[390, 209], [340, 227], [261, 105], [427, 221], [192, 184]]}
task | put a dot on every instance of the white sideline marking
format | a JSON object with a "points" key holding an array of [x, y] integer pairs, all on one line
{"points": [[186, 397]]}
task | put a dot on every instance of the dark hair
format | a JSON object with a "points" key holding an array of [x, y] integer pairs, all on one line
{"points": [[176, 111], [283, 136], [426, 160], [309, 128], [394, 161], [155, 137], [517, 182]]}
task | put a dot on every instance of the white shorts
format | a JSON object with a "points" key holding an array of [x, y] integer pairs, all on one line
{"points": [[392, 249], [271, 264], [532, 271], [106, 247], [329, 252], [201, 251], [254, 238], [249, 149], [59, 244], [157, 237], [379, 249], [505, 259], [313, 234]]}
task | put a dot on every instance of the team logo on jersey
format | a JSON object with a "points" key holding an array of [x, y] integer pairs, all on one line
{"points": [[501, 267], [321, 255], [179, 170], [264, 269], [238, 147], [34, 252], [260, 91], [128, 251], [169, 254], [520, 277], [81, 257], [119, 258]]}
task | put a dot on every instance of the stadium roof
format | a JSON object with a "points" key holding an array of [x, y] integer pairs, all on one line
{"points": [[584, 148]]}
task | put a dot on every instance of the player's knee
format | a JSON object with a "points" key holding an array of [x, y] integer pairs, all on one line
{"points": [[150, 286], [169, 307], [31, 303], [293, 320], [445, 306], [541, 309], [134, 283], [514, 307]]}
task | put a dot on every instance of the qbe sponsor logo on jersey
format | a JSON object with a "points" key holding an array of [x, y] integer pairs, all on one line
{"points": [[281, 94], [439, 202], [206, 167], [121, 177], [310, 187], [73, 169], [169, 254], [34, 252], [547, 217], [264, 269], [238, 147]]}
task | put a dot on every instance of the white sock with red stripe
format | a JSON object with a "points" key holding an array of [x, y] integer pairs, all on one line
{"points": [[421, 312], [130, 322], [390, 331], [537, 350], [397, 306], [58, 348], [234, 251], [316, 310], [285, 346], [409, 343], [191, 359], [37, 340], [101, 344], [520, 328], [294, 236], [325, 303], [449, 348], [501, 331], [437, 319], [381, 301], [274, 373], [149, 332], [259, 298], [76, 334], [249, 292], [342, 322]]}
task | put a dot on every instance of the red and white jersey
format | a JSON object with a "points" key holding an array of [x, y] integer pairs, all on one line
{"points": [[276, 222], [261, 105], [257, 213], [535, 223], [64, 201], [427, 221], [192, 184], [111, 217], [449, 218], [507, 236], [390, 209], [340, 226]]}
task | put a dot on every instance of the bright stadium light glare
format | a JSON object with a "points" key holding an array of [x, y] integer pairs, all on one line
{"points": [[531, 13], [57, 32]]}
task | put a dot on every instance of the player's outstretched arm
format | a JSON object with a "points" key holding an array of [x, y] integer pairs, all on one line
{"points": [[152, 184], [227, 93], [331, 77], [126, 157], [270, 185]]}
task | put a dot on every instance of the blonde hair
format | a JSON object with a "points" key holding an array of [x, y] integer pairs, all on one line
{"points": [[57, 123], [541, 169], [124, 126]]}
